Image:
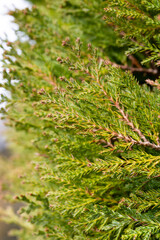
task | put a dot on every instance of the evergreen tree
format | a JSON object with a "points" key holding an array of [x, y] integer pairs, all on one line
{"points": [[79, 103]]}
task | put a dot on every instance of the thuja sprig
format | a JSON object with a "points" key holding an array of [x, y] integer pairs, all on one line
{"points": [[93, 69]]}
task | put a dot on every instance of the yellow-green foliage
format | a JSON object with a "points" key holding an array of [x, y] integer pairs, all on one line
{"points": [[90, 130]]}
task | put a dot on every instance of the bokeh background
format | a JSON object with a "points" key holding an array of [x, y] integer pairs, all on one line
{"points": [[7, 31]]}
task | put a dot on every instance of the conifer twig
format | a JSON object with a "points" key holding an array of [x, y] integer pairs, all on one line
{"points": [[125, 116], [128, 139], [135, 69], [152, 83]]}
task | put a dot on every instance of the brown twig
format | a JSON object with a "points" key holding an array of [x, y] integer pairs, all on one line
{"points": [[128, 139], [134, 219], [152, 83], [134, 69]]}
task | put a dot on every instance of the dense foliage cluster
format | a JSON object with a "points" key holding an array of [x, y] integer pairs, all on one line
{"points": [[89, 125]]}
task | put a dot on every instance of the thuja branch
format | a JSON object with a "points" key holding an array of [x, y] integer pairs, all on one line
{"points": [[125, 116], [128, 139], [145, 142], [81, 66]]}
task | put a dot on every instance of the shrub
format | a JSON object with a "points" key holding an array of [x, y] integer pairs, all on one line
{"points": [[92, 123]]}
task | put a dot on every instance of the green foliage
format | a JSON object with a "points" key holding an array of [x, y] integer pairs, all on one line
{"points": [[94, 129], [142, 31]]}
